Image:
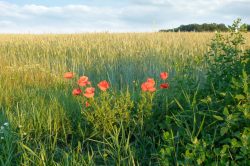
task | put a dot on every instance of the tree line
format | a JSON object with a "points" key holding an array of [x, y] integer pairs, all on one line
{"points": [[201, 28]]}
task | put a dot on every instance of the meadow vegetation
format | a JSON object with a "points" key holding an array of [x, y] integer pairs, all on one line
{"points": [[202, 118]]}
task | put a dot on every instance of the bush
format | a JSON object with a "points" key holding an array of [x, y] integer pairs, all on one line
{"points": [[226, 58], [211, 126]]}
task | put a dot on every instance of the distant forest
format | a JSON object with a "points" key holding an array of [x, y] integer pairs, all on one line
{"points": [[201, 28]]}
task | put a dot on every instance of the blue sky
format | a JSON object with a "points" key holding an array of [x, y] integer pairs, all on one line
{"points": [[76, 16]]}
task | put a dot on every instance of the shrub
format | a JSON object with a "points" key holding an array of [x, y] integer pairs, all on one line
{"points": [[211, 126], [226, 58]]}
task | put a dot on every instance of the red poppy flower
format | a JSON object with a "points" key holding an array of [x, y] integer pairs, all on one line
{"points": [[77, 91], [68, 75], [87, 104], [148, 85], [89, 92], [83, 81], [164, 86], [103, 85], [150, 82], [144, 86], [164, 75], [152, 89]]}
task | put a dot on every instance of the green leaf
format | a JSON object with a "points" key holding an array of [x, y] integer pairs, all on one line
{"points": [[31, 151], [224, 149], [235, 143], [218, 117], [168, 151], [166, 136], [216, 151], [223, 131], [207, 100], [223, 94], [178, 103], [239, 97], [225, 111]]}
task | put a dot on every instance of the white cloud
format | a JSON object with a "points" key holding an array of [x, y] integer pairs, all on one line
{"points": [[38, 9], [136, 15], [4, 23]]}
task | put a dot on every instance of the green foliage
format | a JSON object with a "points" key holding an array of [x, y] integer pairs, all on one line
{"points": [[226, 58], [213, 27], [210, 126], [199, 28], [107, 111]]}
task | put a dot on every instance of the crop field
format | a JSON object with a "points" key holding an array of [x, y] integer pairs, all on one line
{"points": [[190, 121]]}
